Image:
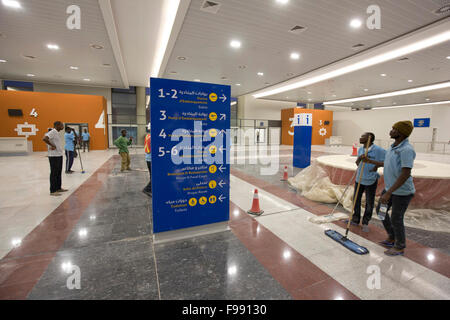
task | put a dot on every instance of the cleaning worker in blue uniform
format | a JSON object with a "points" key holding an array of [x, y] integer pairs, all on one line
{"points": [[369, 180], [399, 187]]}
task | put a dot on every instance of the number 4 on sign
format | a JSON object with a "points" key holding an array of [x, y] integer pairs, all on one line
{"points": [[33, 113]]}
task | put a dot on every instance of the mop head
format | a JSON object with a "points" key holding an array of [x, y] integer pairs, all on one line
{"points": [[328, 218], [356, 248]]}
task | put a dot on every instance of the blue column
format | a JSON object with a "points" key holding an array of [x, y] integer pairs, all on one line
{"points": [[302, 140]]}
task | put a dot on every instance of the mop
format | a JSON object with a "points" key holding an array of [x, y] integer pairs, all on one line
{"points": [[333, 217], [79, 157], [343, 240]]}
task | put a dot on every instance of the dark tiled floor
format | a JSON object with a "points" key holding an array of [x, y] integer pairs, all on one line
{"points": [[116, 258]]}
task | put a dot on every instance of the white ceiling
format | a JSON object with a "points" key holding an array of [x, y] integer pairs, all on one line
{"points": [[262, 27], [424, 67], [129, 31], [27, 31]]}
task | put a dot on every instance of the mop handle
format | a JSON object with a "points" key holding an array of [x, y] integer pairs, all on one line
{"points": [[357, 189], [342, 196]]}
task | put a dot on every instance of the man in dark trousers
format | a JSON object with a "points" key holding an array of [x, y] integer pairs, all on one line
{"points": [[369, 180], [69, 148], [86, 137], [399, 186], [55, 157], [148, 158]]}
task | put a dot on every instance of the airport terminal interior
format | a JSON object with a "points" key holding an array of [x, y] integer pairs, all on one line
{"points": [[215, 150]]}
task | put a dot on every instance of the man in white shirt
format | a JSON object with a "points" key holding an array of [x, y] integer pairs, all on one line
{"points": [[55, 157]]}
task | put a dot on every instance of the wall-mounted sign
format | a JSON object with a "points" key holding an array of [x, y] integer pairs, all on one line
{"points": [[422, 123]]}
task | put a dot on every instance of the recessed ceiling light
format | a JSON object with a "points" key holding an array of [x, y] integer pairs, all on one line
{"points": [[383, 74], [2, 61], [309, 92], [356, 23], [238, 84], [74, 68], [282, 1], [366, 89], [12, 4], [260, 74], [30, 75], [235, 44], [96, 46], [309, 99], [295, 56], [197, 80], [427, 99], [181, 58], [334, 95], [448, 57], [410, 81], [86, 79], [52, 46]]}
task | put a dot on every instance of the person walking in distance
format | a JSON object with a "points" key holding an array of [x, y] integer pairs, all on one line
{"points": [[399, 187], [86, 138], [69, 138], [122, 143], [148, 158], [55, 157]]}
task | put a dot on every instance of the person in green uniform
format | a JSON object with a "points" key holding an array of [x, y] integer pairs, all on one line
{"points": [[122, 143]]}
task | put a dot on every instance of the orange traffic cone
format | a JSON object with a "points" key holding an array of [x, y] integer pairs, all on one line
{"points": [[285, 174], [255, 210], [355, 150]]}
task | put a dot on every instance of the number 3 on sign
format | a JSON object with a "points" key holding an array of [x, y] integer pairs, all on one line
{"points": [[34, 113]]}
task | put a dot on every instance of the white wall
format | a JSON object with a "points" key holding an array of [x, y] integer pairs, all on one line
{"points": [[251, 108], [351, 124]]}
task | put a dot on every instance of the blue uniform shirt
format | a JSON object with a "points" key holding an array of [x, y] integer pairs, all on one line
{"points": [[401, 156], [69, 137], [375, 153], [85, 136]]}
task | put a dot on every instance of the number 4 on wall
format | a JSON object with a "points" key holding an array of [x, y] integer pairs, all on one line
{"points": [[34, 113]]}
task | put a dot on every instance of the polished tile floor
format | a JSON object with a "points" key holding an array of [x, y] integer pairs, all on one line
{"points": [[103, 227]]}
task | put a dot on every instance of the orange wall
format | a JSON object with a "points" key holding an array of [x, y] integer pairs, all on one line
{"points": [[319, 118], [68, 108]]}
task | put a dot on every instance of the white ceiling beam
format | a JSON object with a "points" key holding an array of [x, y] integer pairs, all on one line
{"points": [[176, 28], [108, 18]]}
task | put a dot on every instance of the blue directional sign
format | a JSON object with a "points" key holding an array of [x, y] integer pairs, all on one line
{"points": [[190, 122], [302, 140]]}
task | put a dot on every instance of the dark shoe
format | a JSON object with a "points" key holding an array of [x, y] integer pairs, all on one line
{"points": [[55, 194], [392, 252], [62, 190], [387, 243], [353, 223]]}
